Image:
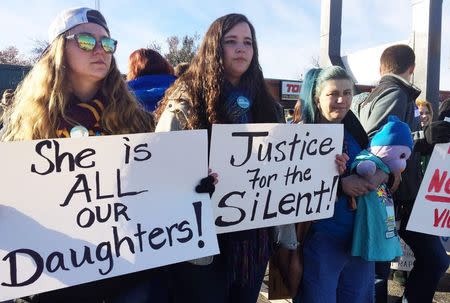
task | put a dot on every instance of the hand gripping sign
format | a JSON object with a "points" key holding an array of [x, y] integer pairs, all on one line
{"points": [[273, 174], [431, 211], [78, 210]]}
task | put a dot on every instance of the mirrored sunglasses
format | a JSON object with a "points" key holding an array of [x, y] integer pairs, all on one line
{"points": [[87, 42]]}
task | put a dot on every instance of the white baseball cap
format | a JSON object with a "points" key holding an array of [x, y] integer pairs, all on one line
{"points": [[72, 17]]}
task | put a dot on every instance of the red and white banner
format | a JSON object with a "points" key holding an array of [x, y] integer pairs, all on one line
{"points": [[431, 212], [290, 90]]}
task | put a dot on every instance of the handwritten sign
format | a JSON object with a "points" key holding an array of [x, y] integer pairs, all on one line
{"points": [[273, 174], [78, 210], [405, 262], [431, 211]]}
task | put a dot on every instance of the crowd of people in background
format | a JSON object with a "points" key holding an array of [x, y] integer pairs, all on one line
{"points": [[76, 90]]}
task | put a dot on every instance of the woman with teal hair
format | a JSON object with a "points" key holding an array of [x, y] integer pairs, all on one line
{"points": [[331, 274]]}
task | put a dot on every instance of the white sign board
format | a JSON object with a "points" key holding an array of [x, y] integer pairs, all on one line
{"points": [[405, 262], [127, 202], [290, 90], [431, 211], [274, 174]]}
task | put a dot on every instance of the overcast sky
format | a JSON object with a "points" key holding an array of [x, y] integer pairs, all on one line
{"points": [[287, 30]]}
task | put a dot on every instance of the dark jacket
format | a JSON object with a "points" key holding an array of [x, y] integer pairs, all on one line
{"points": [[395, 96], [354, 127], [444, 109], [150, 89]]}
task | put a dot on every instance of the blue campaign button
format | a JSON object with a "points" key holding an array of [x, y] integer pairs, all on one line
{"points": [[79, 131], [243, 102]]}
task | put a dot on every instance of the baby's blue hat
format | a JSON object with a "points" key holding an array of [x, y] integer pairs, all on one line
{"points": [[394, 132]]}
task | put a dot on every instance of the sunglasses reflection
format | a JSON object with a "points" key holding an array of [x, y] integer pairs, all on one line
{"points": [[87, 42]]}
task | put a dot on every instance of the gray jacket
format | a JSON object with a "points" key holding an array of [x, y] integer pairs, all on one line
{"points": [[174, 116], [395, 96]]}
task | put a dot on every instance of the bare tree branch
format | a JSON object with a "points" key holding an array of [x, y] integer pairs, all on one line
{"points": [[39, 47], [154, 46], [183, 53], [11, 55]]}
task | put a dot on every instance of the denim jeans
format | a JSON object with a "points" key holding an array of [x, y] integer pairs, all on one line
{"points": [[430, 264], [332, 275]]}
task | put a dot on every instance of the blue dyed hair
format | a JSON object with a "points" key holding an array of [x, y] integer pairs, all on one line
{"points": [[312, 86]]}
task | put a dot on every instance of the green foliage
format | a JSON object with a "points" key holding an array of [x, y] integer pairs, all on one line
{"points": [[179, 52]]}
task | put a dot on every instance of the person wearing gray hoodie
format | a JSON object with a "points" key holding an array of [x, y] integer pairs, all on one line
{"points": [[395, 95]]}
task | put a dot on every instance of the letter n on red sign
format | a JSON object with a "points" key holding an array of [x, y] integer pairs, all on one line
{"points": [[439, 188]]}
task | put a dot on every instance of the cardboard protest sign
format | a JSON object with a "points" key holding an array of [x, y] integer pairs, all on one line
{"points": [[78, 210], [273, 174], [431, 211], [405, 262]]}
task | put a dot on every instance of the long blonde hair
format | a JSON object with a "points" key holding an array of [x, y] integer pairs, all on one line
{"points": [[43, 97]]}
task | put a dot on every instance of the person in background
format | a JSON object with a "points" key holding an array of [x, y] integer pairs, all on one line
{"points": [[290, 116], [396, 95], [444, 110], [181, 68], [149, 75], [425, 118], [297, 112], [76, 90], [331, 274], [224, 84], [425, 112], [5, 104]]}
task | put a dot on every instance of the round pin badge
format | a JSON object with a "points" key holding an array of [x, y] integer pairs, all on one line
{"points": [[243, 102], [79, 131]]}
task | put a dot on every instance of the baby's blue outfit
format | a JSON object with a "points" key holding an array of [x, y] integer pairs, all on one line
{"points": [[375, 235]]}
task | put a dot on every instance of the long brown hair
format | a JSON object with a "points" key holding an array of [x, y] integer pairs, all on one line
{"points": [[205, 79], [297, 112], [43, 97]]}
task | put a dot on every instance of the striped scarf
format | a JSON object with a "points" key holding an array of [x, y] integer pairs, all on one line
{"points": [[247, 252], [238, 104], [86, 114]]}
